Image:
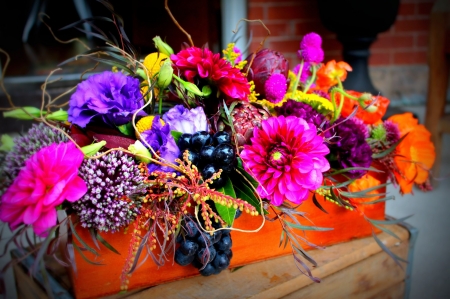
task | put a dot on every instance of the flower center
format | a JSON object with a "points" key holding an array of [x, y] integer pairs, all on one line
{"points": [[278, 157]]}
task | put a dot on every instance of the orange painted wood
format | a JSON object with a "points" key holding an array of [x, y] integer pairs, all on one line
{"points": [[95, 281]]}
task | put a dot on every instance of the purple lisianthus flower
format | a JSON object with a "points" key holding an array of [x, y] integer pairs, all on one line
{"points": [[304, 111], [161, 141], [350, 147], [184, 120], [311, 48], [108, 97]]}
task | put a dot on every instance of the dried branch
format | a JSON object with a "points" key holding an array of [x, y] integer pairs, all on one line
{"points": [[166, 6]]}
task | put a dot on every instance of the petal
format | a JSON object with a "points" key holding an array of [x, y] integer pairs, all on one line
{"points": [[44, 223]]}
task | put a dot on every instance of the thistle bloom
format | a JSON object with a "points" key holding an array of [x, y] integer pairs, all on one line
{"points": [[49, 177], [350, 148], [311, 48], [287, 158], [111, 98], [193, 62], [186, 120]]}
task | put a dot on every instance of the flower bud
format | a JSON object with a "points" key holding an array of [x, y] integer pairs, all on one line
{"points": [[27, 113], [153, 62], [59, 115], [92, 149], [162, 46], [365, 97], [7, 143], [371, 108], [165, 75], [139, 149]]}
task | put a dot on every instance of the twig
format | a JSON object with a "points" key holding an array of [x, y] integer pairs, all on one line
{"points": [[166, 6], [8, 59]]}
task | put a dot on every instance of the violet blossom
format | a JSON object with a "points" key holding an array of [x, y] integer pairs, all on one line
{"points": [[186, 120]]}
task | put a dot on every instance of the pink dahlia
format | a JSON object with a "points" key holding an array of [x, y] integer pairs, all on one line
{"points": [[49, 177], [287, 158], [201, 62]]}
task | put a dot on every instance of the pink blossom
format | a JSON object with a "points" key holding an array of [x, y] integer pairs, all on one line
{"points": [[49, 177], [287, 158], [311, 48], [275, 88]]}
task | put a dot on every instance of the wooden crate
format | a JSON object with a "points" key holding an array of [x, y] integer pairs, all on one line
{"points": [[354, 269]]}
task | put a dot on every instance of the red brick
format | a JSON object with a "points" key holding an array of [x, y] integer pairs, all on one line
{"points": [[390, 42], [407, 9], [275, 29], [380, 58], [410, 57], [422, 40], [412, 25], [333, 55], [304, 27], [424, 8], [292, 12], [255, 13], [331, 44], [285, 46]]}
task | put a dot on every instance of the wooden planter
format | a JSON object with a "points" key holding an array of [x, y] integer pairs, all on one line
{"points": [[93, 281]]}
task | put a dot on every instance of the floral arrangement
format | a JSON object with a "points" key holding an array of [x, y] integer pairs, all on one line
{"points": [[176, 146]]}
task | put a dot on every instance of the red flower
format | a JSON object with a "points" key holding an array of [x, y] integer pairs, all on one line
{"points": [[194, 61], [369, 118]]}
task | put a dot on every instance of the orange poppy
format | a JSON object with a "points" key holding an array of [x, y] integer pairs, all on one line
{"points": [[415, 155], [369, 180], [381, 103], [329, 73]]}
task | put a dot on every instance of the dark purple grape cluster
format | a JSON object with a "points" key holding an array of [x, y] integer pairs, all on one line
{"points": [[210, 153], [210, 253]]}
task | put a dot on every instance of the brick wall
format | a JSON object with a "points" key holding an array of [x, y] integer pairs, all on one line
{"points": [[405, 43]]}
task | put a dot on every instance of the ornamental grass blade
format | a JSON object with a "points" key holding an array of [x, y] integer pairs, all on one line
{"points": [[388, 222], [317, 204], [71, 25], [395, 257], [113, 63], [352, 168], [389, 150], [307, 227], [388, 231], [80, 251], [378, 200], [85, 246], [106, 244], [92, 232], [42, 250]]}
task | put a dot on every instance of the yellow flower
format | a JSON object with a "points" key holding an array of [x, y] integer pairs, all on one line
{"points": [[153, 62], [321, 105]]}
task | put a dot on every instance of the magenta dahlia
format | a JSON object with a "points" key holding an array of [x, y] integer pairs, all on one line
{"points": [[287, 158], [201, 62]]}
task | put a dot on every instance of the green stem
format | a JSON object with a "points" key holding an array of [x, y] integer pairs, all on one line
{"points": [[337, 110], [297, 79], [160, 96], [313, 78]]}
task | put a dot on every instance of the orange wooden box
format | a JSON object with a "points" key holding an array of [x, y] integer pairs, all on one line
{"points": [[94, 281]]}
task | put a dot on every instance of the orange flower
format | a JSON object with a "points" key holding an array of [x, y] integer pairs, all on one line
{"points": [[369, 180], [329, 73], [415, 155], [381, 103]]}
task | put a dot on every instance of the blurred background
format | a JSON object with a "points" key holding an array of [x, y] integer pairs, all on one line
{"points": [[386, 41]]}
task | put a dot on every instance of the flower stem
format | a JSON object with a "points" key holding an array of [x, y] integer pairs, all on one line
{"points": [[313, 78], [297, 78]]}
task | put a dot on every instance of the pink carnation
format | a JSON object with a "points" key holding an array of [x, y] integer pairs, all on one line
{"points": [[194, 61], [287, 158], [49, 177]]}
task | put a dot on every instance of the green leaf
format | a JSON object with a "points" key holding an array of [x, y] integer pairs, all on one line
{"points": [[206, 90], [227, 213], [106, 244], [317, 204], [176, 135], [244, 192], [74, 232], [27, 113], [92, 149], [127, 129], [59, 115]]}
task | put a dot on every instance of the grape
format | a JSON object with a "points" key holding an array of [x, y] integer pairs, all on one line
{"points": [[191, 229], [184, 142], [200, 139], [238, 214], [193, 156], [208, 270], [182, 259], [221, 261], [224, 154], [229, 254], [202, 254], [207, 173], [206, 154], [188, 247], [221, 137], [224, 243]]}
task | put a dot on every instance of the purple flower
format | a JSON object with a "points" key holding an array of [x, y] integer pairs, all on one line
{"points": [[113, 183], [275, 88], [184, 120], [302, 110], [108, 97], [311, 48], [350, 147], [392, 132], [306, 71], [161, 141]]}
